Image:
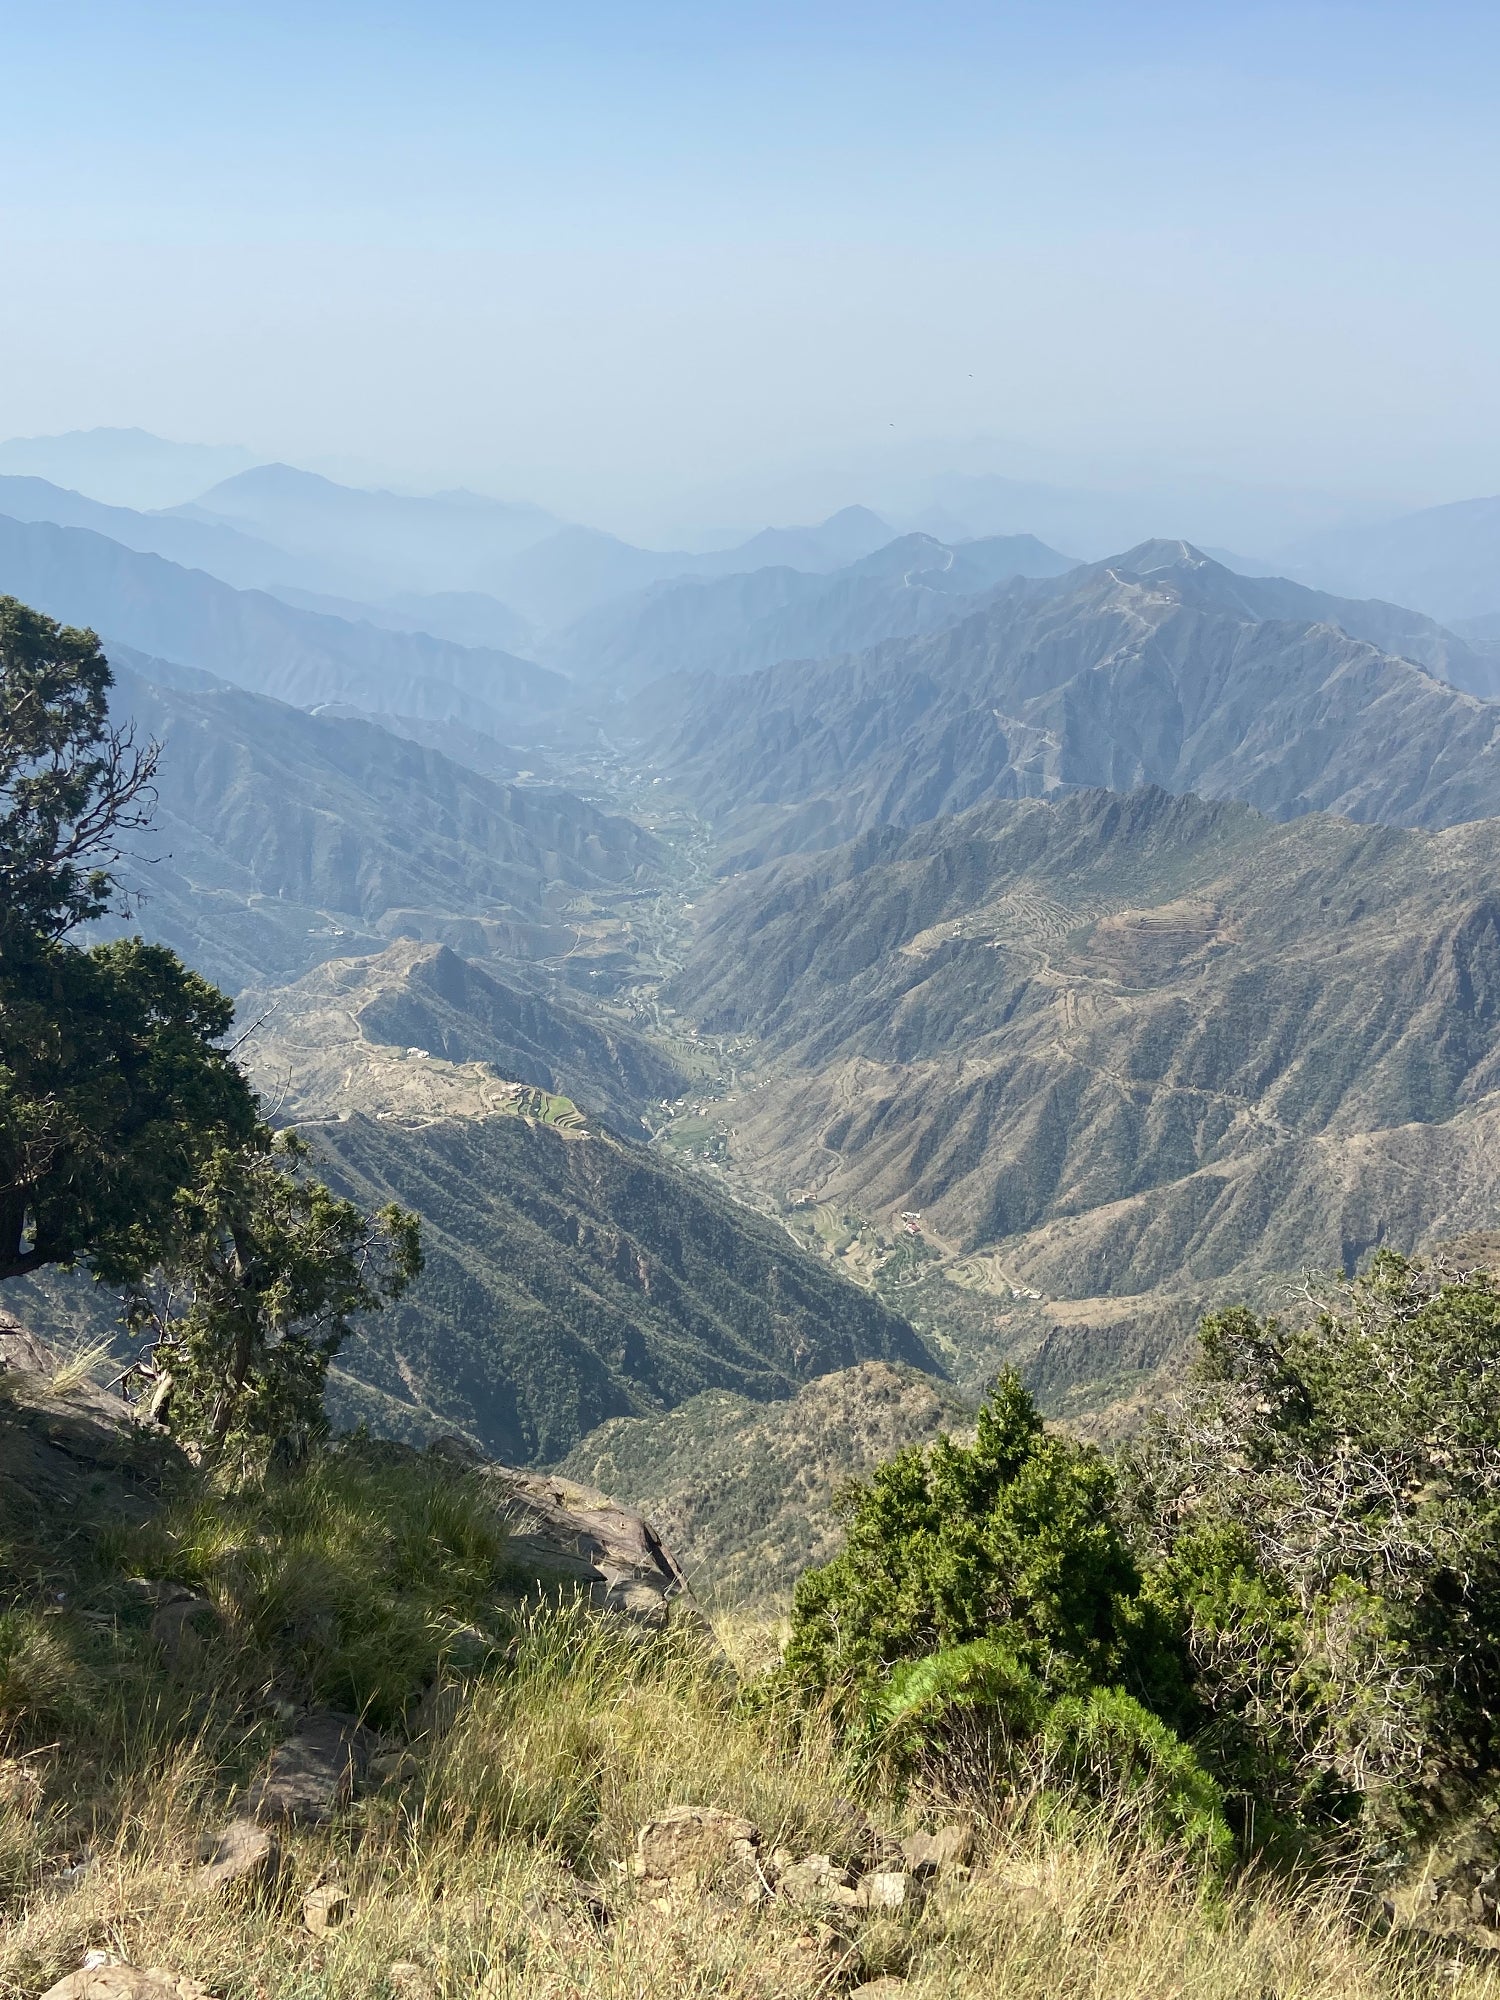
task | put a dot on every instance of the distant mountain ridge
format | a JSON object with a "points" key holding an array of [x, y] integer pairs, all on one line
{"points": [[257, 641], [736, 624], [234, 557], [426, 542], [1443, 560], [282, 839], [123, 467], [1159, 667]]}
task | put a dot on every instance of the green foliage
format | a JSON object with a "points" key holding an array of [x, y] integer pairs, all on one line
{"points": [[129, 1137], [260, 1272], [112, 1088], [112, 1085], [1323, 1511], [1014, 1539], [1116, 1752], [69, 784], [913, 1717]]}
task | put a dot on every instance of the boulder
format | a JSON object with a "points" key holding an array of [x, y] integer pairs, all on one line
{"points": [[697, 1842], [945, 1847], [126, 1982], [570, 1535], [181, 1624], [887, 1889], [325, 1908], [314, 1771], [817, 1878], [244, 1856]]}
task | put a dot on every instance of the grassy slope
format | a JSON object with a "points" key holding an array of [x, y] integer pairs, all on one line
{"points": [[346, 1582]]}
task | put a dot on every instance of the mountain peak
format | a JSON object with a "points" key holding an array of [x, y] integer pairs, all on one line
{"points": [[1150, 558]]}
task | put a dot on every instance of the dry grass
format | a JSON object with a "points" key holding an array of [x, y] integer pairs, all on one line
{"points": [[84, 1365], [471, 1870]]}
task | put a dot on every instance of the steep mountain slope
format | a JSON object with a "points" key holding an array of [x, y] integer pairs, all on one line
{"points": [[1160, 667], [735, 624], [328, 1034], [744, 1492], [570, 1279], [1444, 560], [282, 837], [1122, 1045], [261, 643]]}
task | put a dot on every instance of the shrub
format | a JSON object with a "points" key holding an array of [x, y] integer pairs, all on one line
{"points": [[1015, 1540], [1322, 1512]]}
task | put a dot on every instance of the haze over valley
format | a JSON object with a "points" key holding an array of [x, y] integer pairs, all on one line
{"points": [[982, 956]]}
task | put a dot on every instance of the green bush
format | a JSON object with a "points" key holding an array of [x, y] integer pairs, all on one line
{"points": [[1122, 1756], [917, 1712], [1015, 1540]]}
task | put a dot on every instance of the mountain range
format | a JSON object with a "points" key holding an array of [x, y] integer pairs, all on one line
{"points": [[260, 642], [1119, 1045], [282, 838], [1443, 560], [735, 624], [570, 1278], [1159, 667]]}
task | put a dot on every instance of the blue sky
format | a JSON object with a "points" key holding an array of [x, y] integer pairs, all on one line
{"points": [[615, 256]]}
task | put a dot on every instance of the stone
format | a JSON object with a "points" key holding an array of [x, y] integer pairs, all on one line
{"points": [[887, 1889], [244, 1856], [818, 1878], [946, 1847], [314, 1771], [325, 1908], [410, 1980], [126, 1982], [180, 1626], [574, 1537], [700, 1841], [394, 1767]]}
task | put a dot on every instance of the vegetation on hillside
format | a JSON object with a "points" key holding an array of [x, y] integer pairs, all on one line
{"points": [[130, 1139], [1279, 1609]]}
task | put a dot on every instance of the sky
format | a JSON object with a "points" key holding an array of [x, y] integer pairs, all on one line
{"points": [[660, 265]]}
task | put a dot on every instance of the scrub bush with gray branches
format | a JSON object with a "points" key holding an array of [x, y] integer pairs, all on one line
{"points": [[1295, 1571]]}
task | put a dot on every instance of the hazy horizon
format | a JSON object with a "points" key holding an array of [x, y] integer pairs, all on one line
{"points": [[683, 273]]}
